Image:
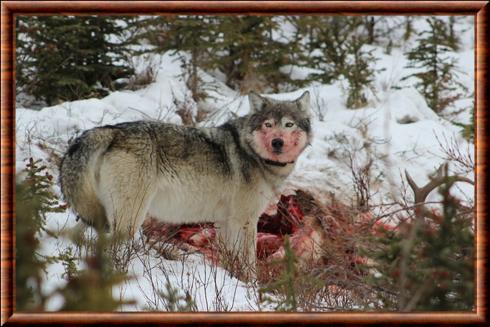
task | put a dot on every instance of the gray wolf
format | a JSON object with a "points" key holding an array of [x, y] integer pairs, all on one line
{"points": [[115, 176]]}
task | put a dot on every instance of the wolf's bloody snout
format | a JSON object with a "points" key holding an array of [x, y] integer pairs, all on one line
{"points": [[277, 144]]}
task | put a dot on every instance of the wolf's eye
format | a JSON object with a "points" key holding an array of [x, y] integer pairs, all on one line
{"points": [[268, 125], [289, 124]]}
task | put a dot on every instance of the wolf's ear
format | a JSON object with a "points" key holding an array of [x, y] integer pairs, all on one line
{"points": [[256, 102], [304, 101]]}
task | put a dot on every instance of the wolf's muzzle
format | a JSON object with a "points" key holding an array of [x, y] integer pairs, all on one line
{"points": [[277, 144]]}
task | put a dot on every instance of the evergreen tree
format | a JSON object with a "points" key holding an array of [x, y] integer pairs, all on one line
{"points": [[408, 28], [192, 37], [453, 39], [434, 67], [326, 39], [87, 289], [335, 46], [468, 130], [370, 25], [91, 289], [250, 55], [69, 57], [427, 264], [34, 199], [243, 48], [380, 31], [22, 50], [174, 300], [358, 72], [194, 34], [285, 284]]}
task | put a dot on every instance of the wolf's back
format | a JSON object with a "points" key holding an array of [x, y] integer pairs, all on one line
{"points": [[79, 174]]}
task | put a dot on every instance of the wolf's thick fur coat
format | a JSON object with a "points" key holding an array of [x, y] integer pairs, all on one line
{"points": [[118, 175]]}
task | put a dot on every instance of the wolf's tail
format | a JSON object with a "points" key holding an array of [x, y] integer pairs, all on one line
{"points": [[79, 174]]}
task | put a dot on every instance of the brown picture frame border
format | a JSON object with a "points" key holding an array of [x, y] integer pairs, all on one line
{"points": [[480, 10]]}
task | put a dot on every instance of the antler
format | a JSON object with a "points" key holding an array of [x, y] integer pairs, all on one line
{"points": [[420, 193]]}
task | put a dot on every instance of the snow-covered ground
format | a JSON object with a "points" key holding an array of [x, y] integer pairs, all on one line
{"points": [[402, 132]]}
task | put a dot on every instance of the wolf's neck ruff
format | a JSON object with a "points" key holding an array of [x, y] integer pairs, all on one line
{"points": [[276, 163]]}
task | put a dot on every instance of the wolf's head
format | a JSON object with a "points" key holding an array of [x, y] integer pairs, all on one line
{"points": [[280, 130]]}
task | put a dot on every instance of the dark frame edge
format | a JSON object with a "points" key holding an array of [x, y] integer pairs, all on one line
{"points": [[9, 8], [7, 166], [261, 318], [248, 7], [482, 59]]}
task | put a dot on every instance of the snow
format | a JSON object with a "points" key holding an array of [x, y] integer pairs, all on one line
{"points": [[403, 133], [194, 276]]}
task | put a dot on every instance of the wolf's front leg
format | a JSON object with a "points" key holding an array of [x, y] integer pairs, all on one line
{"points": [[239, 242]]}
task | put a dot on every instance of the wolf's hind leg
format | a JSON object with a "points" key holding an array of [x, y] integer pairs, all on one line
{"points": [[127, 196]]}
